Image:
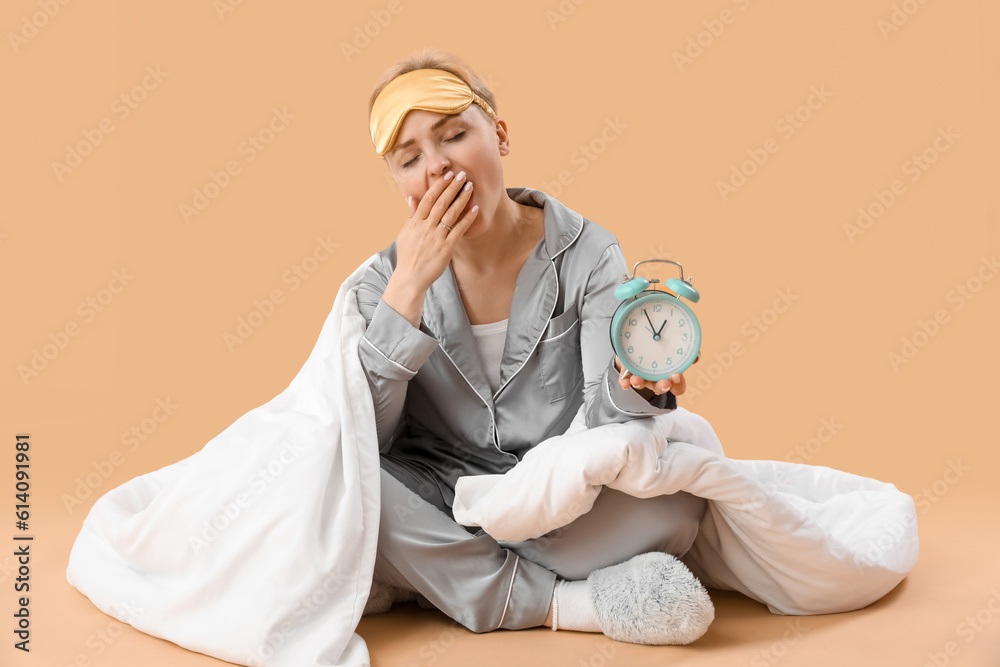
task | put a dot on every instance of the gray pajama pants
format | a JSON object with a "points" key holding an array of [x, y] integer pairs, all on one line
{"points": [[485, 584]]}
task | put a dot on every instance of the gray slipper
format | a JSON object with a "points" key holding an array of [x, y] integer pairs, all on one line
{"points": [[382, 597], [379, 599], [651, 598]]}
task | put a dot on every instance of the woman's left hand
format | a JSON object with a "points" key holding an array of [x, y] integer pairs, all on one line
{"points": [[675, 383]]}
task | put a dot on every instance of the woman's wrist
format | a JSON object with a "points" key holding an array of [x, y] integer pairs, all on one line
{"points": [[402, 297]]}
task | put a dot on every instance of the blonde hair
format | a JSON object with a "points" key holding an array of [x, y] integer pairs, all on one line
{"points": [[434, 58]]}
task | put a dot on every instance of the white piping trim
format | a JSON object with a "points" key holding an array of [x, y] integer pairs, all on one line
{"points": [[459, 369], [579, 231], [394, 363], [607, 393], [492, 415], [509, 590], [558, 336], [552, 265]]}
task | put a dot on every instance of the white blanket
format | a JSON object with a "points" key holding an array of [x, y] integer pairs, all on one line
{"points": [[802, 539], [259, 548]]}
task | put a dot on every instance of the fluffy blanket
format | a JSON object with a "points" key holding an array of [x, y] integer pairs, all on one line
{"points": [[259, 548], [802, 539]]}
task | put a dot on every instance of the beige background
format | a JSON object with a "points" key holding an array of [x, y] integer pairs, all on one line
{"points": [[889, 81]]}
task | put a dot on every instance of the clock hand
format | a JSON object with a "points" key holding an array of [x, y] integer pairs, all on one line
{"points": [[656, 334], [648, 320], [661, 328]]}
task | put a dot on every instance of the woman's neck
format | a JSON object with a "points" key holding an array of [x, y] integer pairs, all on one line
{"points": [[513, 227]]}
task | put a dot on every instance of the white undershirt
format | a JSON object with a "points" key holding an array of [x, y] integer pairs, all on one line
{"points": [[490, 339]]}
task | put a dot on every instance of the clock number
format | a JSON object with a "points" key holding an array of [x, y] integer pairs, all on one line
{"points": [[670, 360], [628, 334], [630, 350], [640, 359], [680, 322], [654, 364], [633, 321], [684, 336], [680, 350], [657, 307]]}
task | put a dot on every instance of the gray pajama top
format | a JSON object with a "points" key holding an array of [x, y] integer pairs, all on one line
{"points": [[434, 408]]}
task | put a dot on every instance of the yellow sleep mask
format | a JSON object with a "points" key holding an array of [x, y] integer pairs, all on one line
{"points": [[427, 89]]}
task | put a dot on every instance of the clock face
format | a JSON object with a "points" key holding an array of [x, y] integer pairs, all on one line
{"points": [[656, 335]]}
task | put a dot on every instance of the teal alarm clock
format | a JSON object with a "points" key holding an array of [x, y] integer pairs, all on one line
{"points": [[653, 332]]}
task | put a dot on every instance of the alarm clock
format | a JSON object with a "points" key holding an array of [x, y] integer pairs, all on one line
{"points": [[653, 332]]}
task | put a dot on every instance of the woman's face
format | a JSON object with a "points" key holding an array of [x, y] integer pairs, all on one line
{"points": [[430, 144]]}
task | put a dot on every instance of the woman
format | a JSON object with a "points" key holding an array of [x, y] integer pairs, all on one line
{"points": [[487, 331]]}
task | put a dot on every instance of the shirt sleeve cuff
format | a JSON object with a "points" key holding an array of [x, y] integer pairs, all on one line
{"points": [[402, 347], [631, 402]]}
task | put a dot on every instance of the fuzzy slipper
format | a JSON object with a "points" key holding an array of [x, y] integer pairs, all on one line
{"points": [[383, 595], [651, 598]]}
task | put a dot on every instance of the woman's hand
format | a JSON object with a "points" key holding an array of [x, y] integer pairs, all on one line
{"points": [[646, 388], [425, 245]]}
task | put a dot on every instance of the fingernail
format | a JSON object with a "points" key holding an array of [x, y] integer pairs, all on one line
{"points": [[409, 201], [448, 176]]}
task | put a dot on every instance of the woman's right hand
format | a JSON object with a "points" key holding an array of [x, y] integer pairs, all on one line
{"points": [[425, 246]]}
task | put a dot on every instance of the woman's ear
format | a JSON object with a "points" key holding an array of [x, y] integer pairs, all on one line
{"points": [[503, 138]]}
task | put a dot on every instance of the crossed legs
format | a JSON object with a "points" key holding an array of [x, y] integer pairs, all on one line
{"points": [[484, 584]]}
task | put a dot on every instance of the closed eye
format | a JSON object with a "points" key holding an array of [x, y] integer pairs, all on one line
{"points": [[455, 138]]}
